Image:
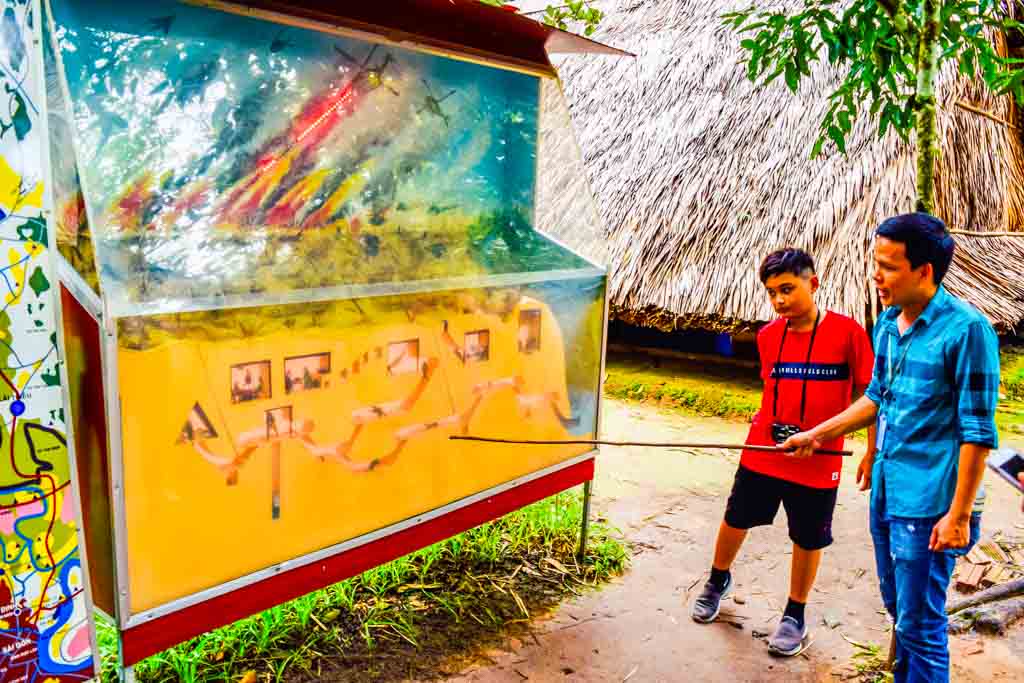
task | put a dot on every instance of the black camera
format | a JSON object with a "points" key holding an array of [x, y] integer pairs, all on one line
{"points": [[782, 431]]}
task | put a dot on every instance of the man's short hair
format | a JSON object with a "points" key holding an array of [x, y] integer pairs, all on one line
{"points": [[788, 260], [925, 238]]}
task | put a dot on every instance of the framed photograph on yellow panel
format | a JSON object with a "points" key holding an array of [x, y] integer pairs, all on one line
{"points": [[279, 422], [303, 373], [477, 347], [250, 382], [404, 357]]}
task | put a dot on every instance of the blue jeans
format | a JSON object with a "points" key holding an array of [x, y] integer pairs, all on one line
{"points": [[914, 582]]}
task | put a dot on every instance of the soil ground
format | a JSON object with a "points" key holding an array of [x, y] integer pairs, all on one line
{"points": [[668, 504]]}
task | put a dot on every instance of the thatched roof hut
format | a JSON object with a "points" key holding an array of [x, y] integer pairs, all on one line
{"points": [[698, 175]]}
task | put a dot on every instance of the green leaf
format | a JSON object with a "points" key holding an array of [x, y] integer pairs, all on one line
{"points": [[883, 123], [891, 82], [802, 66], [844, 121], [754, 68], [834, 51], [754, 27], [775, 74], [967, 63], [837, 138], [748, 44], [792, 76], [907, 114], [818, 144], [826, 33]]}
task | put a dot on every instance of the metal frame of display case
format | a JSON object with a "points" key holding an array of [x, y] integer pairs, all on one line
{"points": [[150, 631]]}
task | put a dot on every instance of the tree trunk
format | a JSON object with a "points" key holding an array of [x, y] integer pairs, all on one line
{"points": [[927, 137], [925, 106]]}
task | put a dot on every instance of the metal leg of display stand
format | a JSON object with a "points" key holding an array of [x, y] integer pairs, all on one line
{"points": [[275, 478], [585, 525], [128, 674]]}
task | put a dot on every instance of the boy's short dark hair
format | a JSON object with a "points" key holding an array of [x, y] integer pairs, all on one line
{"points": [[925, 238], [788, 260]]}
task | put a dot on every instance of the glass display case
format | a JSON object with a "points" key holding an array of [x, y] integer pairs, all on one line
{"points": [[296, 259]]}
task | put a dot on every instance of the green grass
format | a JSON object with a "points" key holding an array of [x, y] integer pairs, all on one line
{"points": [[704, 389], [1010, 415], [710, 389], [406, 618], [870, 663], [1012, 358]]}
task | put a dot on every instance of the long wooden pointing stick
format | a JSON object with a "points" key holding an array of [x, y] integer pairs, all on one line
{"points": [[602, 442]]}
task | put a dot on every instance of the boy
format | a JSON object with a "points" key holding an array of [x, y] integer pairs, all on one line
{"points": [[812, 362]]}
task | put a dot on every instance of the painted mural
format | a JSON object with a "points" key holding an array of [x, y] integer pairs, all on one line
{"points": [[229, 155], [44, 626]]}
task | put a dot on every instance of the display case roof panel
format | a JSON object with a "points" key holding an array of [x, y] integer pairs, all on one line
{"points": [[466, 26], [229, 158]]}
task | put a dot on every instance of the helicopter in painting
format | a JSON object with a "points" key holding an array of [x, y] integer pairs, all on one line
{"points": [[372, 77], [432, 104]]}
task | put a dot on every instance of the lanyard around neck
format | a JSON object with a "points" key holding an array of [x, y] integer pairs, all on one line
{"points": [[803, 390], [894, 370]]}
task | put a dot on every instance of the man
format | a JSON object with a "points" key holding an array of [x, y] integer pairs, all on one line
{"points": [[812, 363], [933, 394]]}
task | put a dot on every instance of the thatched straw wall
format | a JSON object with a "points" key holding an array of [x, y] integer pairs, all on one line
{"points": [[697, 176]]}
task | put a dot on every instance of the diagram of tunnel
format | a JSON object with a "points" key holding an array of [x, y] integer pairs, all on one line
{"points": [[285, 423]]}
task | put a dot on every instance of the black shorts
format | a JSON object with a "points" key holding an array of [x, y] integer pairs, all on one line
{"points": [[755, 499]]}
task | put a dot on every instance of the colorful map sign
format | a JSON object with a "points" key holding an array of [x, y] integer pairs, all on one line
{"points": [[44, 624]]}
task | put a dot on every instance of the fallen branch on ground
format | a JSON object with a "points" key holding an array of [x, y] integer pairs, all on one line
{"points": [[992, 619], [1010, 589]]}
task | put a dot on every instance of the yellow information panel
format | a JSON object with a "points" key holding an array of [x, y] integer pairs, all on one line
{"points": [[282, 431]]}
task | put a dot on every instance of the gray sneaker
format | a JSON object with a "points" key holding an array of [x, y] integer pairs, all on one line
{"points": [[788, 638], [709, 602]]}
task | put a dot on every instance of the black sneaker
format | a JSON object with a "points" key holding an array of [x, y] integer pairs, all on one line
{"points": [[709, 602]]}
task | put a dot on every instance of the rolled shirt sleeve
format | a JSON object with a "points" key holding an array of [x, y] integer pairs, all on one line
{"points": [[975, 365]]}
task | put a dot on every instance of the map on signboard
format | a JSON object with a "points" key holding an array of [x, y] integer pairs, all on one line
{"points": [[44, 626]]}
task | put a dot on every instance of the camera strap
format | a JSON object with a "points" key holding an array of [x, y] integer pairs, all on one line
{"points": [[807, 363]]}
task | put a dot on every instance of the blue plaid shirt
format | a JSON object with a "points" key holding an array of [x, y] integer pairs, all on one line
{"points": [[936, 387]]}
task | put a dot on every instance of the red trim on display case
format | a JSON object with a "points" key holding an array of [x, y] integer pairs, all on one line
{"points": [[164, 632], [82, 341]]}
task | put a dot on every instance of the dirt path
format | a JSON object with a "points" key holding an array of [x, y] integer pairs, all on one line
{"points": [[668, 505]]}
